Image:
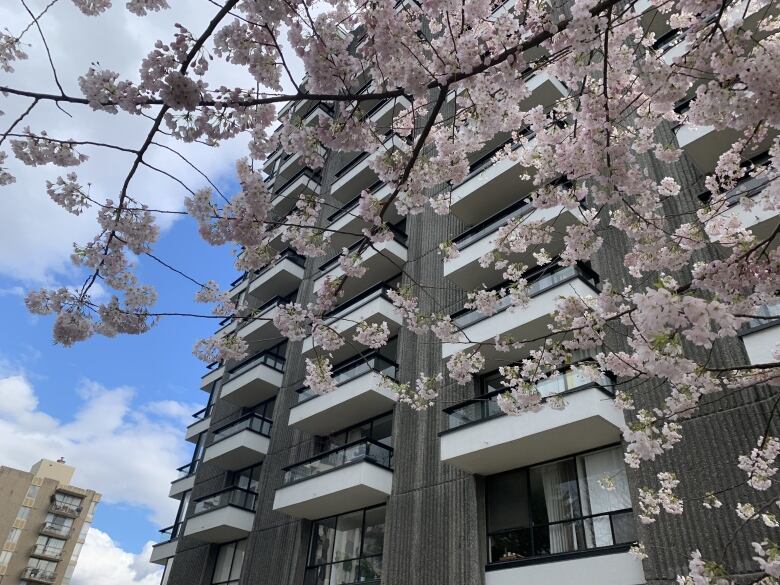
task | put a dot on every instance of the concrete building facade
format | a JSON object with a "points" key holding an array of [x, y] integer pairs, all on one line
{"points": [[44, 521], [287, 487]]}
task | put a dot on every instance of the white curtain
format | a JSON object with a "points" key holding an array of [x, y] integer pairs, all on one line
{"points": [[559, 507], [596, 500]]}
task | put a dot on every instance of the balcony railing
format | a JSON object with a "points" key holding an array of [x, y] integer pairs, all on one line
{"points": [[772, 314], [540, 280], [202, 414], [252, 422], [491, 224], [486, 406], [188, 469], [355, 452], [39, 575], [303, 172], [49, 552], [59, 530], [230, 496], [354, 368], [486, 159], [747, 186], [352, 204], [328, 264], [171, 532], [269, 357], [64, 509], [379, 290]]}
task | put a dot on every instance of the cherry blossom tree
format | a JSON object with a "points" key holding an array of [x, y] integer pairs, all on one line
{"points": [[694, 274]]}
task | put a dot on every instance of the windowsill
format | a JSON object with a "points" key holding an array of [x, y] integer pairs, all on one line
{"points": [[554, 558]]}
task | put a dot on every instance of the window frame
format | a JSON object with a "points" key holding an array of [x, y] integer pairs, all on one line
{"points": [[232, 561], [553, 557]]}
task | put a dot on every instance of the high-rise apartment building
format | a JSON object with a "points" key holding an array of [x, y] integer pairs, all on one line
{"points": [[44, 521], [293, 488]]}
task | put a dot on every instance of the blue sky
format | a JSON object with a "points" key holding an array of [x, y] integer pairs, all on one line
{"points": [[158, 366]]}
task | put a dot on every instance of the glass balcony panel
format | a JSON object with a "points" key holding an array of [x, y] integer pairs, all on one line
{"points": [[253, 422], [365, 450], [232, 496]]}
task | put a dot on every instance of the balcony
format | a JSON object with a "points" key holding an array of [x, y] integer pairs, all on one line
{"points": [[63, 509], [481, 439], [184, 482], [223, 516], [56, 530], [382, 261], [240, 443], [371, 306], [39, 575], [347, 223], [259, 329], [761, 336], [357, 397], [490, 185], [304, 182], [49, 553], [480, 239], [357, 175], [357, 475], [201, 424], [215, 373], [255, 379], [281, 277], [545, 286], [164, 550], [384, 112]]}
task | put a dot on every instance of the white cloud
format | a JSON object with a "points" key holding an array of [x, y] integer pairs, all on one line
{"points": [[126, 450], [103, 562]]}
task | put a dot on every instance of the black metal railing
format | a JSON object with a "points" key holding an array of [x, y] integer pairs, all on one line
{"points": [[540, 279], [328, 264], [379, 290], [269, 358], [492, 223], [171, 532], [39, 575], [353, 162], [354, 368], [187, 469], [202, 414], [229, 496], [249, 422], [486, 406], [352, 204], [49, 552], [361, 450]]}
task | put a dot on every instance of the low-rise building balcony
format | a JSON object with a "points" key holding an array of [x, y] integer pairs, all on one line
{"points": [[55, 529], [281, 277], [372, 306], [39, 575], [258, 329], [482, 238], [357, 174], [346, 222], [50, 553], [546, 285], [480, 438], [356, 475], [222, 516], [255, 379], [357, 396], [201, 424], [240, 443], [216, 370], [762, 334], [491, 185], [166, 548], [184, 482], [382, 261], [304, 182]]}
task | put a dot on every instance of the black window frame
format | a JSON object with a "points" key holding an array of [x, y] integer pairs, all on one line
{"points": [[232, 561]]}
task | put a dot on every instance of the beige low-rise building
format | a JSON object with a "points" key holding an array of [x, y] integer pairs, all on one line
{"points": [[44, 521]]}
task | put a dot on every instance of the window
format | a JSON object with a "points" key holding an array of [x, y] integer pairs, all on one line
{"points": [[23, 513], [379, 429], [49, 545], [230, 558], [32, 491], [41, 565], [67, 503], [347, 548], [58, 524], [5, 557], [13, 535], [246, 479], [559, 507]]}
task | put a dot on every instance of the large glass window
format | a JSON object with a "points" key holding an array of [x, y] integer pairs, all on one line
{"points": [[347, 548], [230, 559], [559, 507], [379, 429]]}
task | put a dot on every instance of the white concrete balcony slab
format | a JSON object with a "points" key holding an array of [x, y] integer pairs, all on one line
{"points": [[357, 397], [227, 327], [255, 380], [382, 261], [482, 440], [355, 476], [185, 482], [383, 113], [164, 550], [489, 187], [212, 376], [281, 277], [617, 568], [201, 425], [481, 239], [545, 288], [357, 175], [347, 223], [240, 443], [238, 286], [289, 191], [372, 306], [259, 329], [760, 217], [762, 336], [222, 517]]}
